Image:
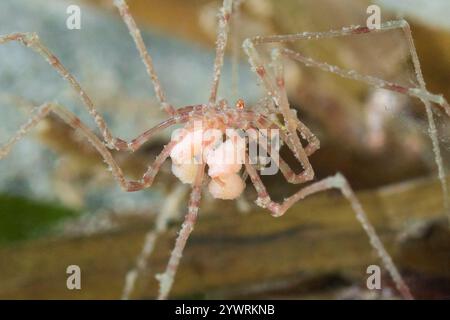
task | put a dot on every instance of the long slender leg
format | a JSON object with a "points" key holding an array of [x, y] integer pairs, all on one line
{"points": [[418, 92], [167, 213], [285, 169], [73, 121], [354, 30], [313, 142], [166, 279], [337, 181], [145, 56], [267, 108], [270, 121], [235, 47], [31, 40], [431, 124], [397, 88], [274, 84], [293, 120], [221, 42]]}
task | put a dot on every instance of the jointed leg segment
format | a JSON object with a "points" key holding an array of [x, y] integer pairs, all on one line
{"points": [[221, 42], [285, 169], [73, 121], [168, 211], [31, 40], [335, 182], [274, 83], [145, 56], [312, 146], [166, 279]]}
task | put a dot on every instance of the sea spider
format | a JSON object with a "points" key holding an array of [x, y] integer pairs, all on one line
{"points": [[226, 183]]}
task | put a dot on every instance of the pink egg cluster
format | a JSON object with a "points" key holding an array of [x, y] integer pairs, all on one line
{"points": [[223, 157]]}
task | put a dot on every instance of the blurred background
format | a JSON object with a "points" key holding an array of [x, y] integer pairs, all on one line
{"points": [[59, 206]]}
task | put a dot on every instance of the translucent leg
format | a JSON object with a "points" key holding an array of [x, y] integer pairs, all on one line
{"points": [[73, 121], [31, 40], [221, 42], [166, 279], [271, 83], [335, 182], [145, 56], [167, 213]]}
